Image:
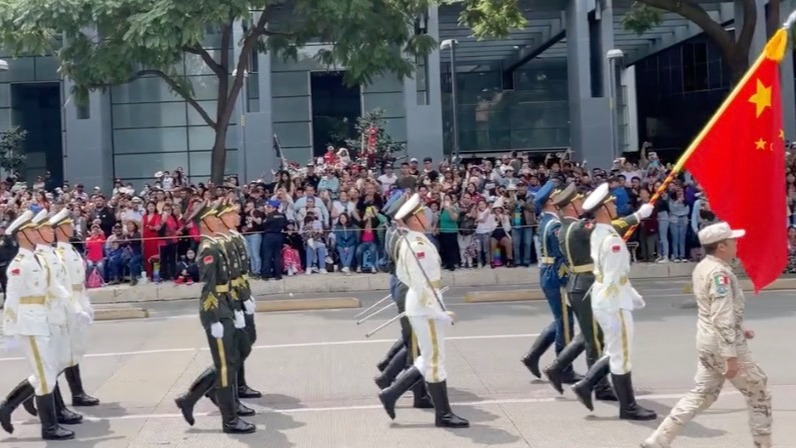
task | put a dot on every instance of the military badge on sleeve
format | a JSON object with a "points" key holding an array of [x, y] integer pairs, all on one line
{"points": [[721, 284]]}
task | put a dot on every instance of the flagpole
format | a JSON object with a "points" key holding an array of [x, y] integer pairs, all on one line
{"points": [[774, 49]]}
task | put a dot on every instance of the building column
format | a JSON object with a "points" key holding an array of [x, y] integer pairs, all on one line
{"points": [[88, 140], [589, 103], [424, 121], [759, 38], [255, 155]]}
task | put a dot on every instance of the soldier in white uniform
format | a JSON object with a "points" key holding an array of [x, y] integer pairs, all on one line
{"points": [[59, 292], [419, 268], [36, 322], [613, 299], [721, 344]]}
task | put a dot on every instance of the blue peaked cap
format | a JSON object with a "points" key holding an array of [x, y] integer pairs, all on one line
{"points": [[543, 195]]}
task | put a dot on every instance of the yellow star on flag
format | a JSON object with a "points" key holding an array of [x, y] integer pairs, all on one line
{"points": [[760, 144], [782, 134], [761, 99]]}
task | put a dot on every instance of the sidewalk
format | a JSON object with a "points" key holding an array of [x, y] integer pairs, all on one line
{"points": [[337, 282]]}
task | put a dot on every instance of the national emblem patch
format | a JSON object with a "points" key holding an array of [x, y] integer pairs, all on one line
{"points": [[421, 255], [721, 283], [15, 271], [616, 248], [208, 259]]}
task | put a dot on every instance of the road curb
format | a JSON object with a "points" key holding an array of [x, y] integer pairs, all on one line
{"points": [[780, 284], [268, 306], [517, 295], [120, 313]]}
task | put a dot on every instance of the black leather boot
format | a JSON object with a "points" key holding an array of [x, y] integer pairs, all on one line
{"points": [[79, 396], [241, 409], [584, 387], [396, 347], [30, 406], [444, 416], [65, 415], [231, 423], [603, 390], [394, 368], [422, 400], [244, 391], [50, 430], [540, 345], [20, 394], [199, 388], [561, 371], [403, 383], [628, 408]]}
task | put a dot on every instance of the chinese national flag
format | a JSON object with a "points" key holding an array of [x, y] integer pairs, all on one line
{"points": [[739, 159]]}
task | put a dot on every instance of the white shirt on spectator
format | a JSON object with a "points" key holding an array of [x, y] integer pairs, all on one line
{"points": [[387, 182]]}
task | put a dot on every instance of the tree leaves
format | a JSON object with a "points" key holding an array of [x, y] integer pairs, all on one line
{"points": [[12, 151], [642, 18]]}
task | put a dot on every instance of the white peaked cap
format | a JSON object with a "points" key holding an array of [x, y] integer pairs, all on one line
{"points": [[409, 207], [596, 198], [20, 222], [60, 216], [40, 217]]}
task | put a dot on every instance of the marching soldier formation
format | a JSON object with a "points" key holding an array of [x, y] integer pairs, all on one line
{"points": [[584, 273]]}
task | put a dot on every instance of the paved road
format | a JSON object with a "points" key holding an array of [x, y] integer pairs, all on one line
{"points": [[316, 368]]}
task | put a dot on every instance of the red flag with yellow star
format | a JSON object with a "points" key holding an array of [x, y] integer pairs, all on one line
{"points": [[739, 160]]}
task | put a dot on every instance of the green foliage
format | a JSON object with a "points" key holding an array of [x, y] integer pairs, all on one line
{"points": [[12, 150], [101, 43], [386, 148], [641, 18]]}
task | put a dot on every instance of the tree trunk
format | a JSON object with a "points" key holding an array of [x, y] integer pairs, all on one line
{"points": [[218, 157]]}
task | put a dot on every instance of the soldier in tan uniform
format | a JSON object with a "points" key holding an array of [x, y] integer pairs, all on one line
{"points": [[721, 344]]}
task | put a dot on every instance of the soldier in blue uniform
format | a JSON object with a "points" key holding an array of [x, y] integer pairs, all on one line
{"points": [[553, 279]]}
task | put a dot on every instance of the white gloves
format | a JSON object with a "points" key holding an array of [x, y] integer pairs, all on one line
{"points": [[250, 306], [12, 343], [217, 330], [638, 300], [240, 322], [84, 318], [645, 211]]}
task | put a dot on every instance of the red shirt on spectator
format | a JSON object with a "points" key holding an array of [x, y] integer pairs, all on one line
{"points": [[94, 245]]}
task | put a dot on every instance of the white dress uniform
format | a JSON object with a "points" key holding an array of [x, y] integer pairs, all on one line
{"points": [[613, 298], [422, 307], [31, 315], [76, 277], [418, 267]]}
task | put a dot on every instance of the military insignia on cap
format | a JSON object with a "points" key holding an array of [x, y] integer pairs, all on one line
{"points": [[721, 284]]}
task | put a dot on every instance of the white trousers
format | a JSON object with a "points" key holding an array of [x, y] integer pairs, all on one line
{"points": [[45, 355], [78, 337], [617, 329], [430, 337]]}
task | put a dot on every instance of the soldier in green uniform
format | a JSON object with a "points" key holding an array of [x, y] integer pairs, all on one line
{"points": [[574, 239], [404, 351], [216, 312], [231, 219]]}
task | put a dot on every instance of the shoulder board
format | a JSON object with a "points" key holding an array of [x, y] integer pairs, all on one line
{"points": [[19, 258], [205, 246], [620, 223]]}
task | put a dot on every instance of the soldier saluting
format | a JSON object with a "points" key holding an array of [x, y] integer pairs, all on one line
{"points": [[217, 315], [721, 344]]}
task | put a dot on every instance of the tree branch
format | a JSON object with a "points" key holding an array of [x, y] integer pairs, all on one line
{"points": [[700, 17], [747, 33], [178, 89], [774, 16], [206, 57]]}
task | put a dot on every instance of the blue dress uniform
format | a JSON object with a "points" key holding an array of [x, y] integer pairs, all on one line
{"points": [[553, 280]]}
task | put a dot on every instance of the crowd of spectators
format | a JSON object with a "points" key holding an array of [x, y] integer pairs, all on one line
{"points": [[482, 214]]}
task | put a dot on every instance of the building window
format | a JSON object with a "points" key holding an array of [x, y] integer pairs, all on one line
{"points": [[695, 66], [421, 78]]}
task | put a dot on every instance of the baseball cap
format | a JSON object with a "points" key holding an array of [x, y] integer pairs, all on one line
{"points": [[721, 231]]}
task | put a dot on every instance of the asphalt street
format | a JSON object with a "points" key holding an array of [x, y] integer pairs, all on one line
{"points": [[315, 369]]}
